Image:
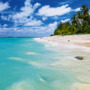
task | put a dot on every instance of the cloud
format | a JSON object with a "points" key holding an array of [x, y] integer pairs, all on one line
{"points": [[77, 9], [4, 6], [7, 18], [66, 2], [47, 29], [29, 31], [33, 23], [25, 16], [44, 29], [51, 11], [27, 10], [55, 17], [44, 18], [37, 5], [3, 17], [5, 25], [66, 20], [53, 24]]}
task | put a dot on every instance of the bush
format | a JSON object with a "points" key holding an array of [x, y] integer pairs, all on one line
{"points": [[52, 35]]}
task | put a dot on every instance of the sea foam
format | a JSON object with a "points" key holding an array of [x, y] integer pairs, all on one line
{"points": [[31, 53], [16, 58]]}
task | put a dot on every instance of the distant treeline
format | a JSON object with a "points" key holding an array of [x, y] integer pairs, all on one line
{"points": [[80, 23]]}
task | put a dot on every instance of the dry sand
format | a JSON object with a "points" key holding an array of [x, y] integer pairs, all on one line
{"points": [[81, 40]]}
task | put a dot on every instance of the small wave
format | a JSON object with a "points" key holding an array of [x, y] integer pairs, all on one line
{"points": [[16, 58], [35, 63], [17, 86], [38, 39], [23, 85], [38, 64], [41, 79], [31, 53]]}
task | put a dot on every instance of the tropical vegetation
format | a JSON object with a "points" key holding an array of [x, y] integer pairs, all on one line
{"points": [[80, 23]]}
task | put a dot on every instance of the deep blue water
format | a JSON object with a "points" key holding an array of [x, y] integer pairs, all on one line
{"points": [[25, 65]]}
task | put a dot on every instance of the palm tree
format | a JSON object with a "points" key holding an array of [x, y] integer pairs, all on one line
{"points": [[74, 20], [85, 12], [89, 20], [79, 15], [84, 26]]}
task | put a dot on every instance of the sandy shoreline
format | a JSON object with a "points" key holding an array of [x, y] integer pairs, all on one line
{"points": [[79, 68], [80, 40]]}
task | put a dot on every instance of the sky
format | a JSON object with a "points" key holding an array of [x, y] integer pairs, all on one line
{"points": [[35, 18]]}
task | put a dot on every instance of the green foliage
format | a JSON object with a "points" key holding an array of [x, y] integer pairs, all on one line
{"points": [[84, 26], [51, 35], [57, 32], [88, 29], [80, 23]]}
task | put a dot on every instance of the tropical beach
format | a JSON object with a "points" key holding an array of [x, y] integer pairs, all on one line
{"points": [[43, 63], [75, 45], [44, 45]]}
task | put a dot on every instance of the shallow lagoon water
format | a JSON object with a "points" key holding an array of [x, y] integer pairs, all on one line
{"points": [[29, 65]]}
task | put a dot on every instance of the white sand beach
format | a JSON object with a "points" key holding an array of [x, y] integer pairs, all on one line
{"points": [[80, 40], [79, 68]]}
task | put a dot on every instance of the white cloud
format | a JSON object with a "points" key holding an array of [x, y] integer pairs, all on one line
{"points": [[77, 9], [66, 20], [47, 29], [44, 18], [37, 5], [29, 31], [25, 16], [27, 10], [4, 6], [41, 29], [53, 24], [3, 17], [55, 17], [34, 23], [5, 25], [7, 18], [50, 11], [63, 3], [52, 27]]}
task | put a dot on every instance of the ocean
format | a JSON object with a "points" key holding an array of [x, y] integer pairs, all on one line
{"points": [[26, 64]]}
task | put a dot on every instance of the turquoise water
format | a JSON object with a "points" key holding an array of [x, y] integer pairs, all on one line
{"points": [[26, 65]]}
